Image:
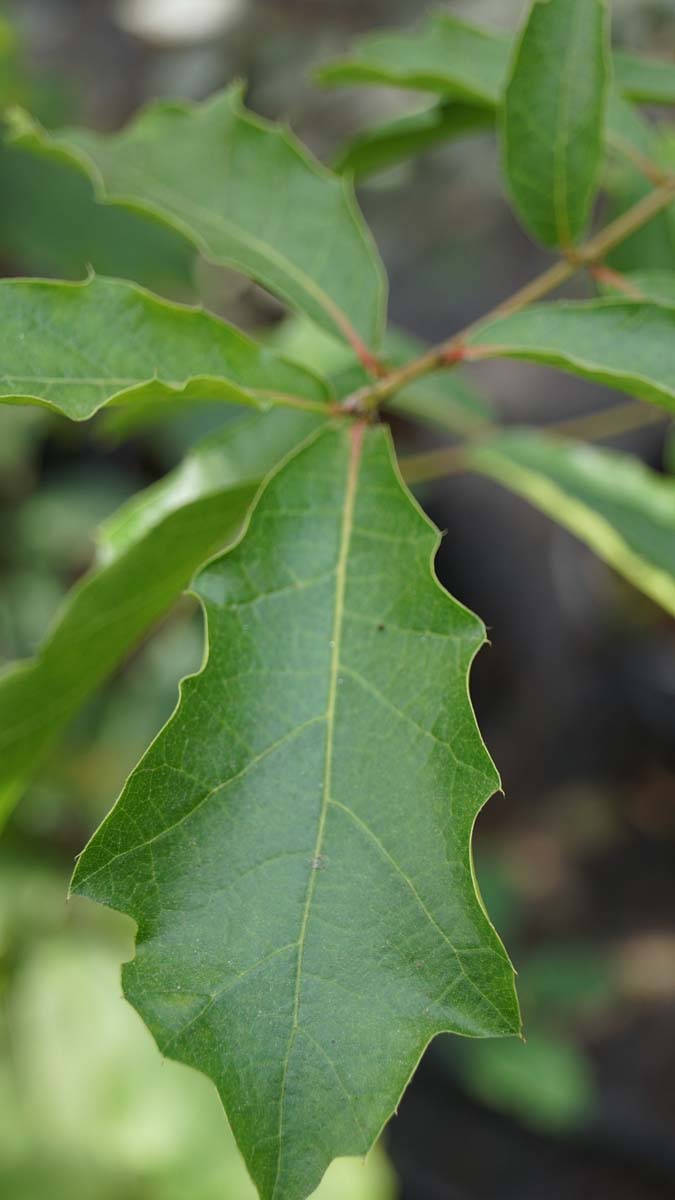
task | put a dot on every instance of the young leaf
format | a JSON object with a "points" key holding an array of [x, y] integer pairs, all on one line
{"points": [[554, 117], [73, 347], [625, 344], [621, 509], [386, 145], [295, 846], [149, 551], [246, 194], [442, 55]]}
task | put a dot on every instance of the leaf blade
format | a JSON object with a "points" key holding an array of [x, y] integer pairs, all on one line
{"points": [[616, 505], [624, 344], [247, 195], [554, 117], [332, 859], [74, 347]]}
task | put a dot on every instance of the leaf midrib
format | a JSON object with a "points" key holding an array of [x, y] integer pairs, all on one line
{"points": [[356, 435]]}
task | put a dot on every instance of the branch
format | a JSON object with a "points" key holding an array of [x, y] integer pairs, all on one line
{"points": [[453, 351]]}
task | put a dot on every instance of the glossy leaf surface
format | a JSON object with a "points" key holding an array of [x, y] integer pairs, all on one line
{"points": [[295, 846]]}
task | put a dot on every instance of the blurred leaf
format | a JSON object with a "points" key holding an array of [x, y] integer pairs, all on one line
{"points": [[554, 117], [617, 506], [658, 286], [441, 55], [50, 222], [624, 344], [385, 145], [546, 1083], [653, 245], [458, 59], [246, 194], [645, 80], [150, 550], [74, 347], [310, 1039]]}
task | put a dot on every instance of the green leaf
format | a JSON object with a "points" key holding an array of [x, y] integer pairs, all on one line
{"points": [[454, 58], [442, 55], [389, 144], [617, 506], [625, 344], [73, 347], [149, 551], [645, 80], [246, 194], [653, 245], [554, 117], [658, 286], [50, 221], [308, 918]]}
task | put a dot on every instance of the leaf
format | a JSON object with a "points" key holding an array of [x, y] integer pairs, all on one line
{"points": [[658, 286], [149, 551], [246, 194], [50, 221], [454, 58], [554, 117], [653, 245], [625, 344], [386, 145], [442, 55], [645, 80], [617, 506], [308, 917], [73, 347]]}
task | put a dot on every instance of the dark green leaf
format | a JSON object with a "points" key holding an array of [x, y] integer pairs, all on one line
{"points": [[621, 509], [295, 846], [149, 552], [76, 346], [246, 194], [554, 117], [625, 344]]}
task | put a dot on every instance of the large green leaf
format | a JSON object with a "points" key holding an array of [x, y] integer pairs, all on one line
{"points": [[307, 911], [245, 193], [73, 347], [554, 117], [621, 509], [652, 246], [625, 344], [149, 551]]}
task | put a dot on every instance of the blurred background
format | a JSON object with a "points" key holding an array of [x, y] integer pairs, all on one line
{"points": [[576, 695]]}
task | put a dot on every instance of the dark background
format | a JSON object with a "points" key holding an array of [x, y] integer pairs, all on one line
{"points": [[575, 696]]}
